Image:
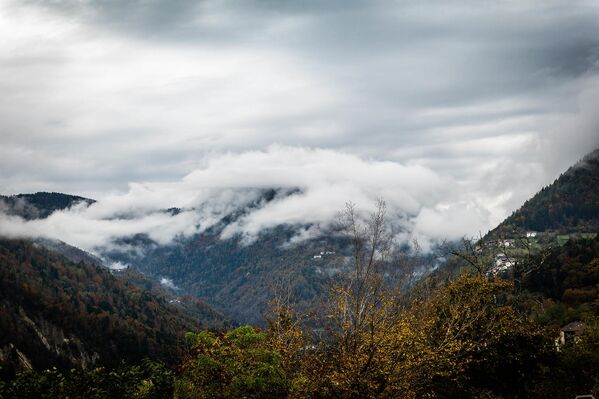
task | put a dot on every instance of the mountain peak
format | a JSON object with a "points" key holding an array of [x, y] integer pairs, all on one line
{"points": [[39, 205]]}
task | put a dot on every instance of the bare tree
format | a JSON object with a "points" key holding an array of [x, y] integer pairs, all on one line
{"points": [[362, 305], [470, 251], [357, 294]]}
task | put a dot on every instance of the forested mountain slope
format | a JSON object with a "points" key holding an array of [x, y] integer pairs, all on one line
{"points": [[570, 204], [568, 277], [238, 278], [567, 210], [57, 312]]}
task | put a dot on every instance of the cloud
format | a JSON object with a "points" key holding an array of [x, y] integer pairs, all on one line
{"points": [[118, 266], [168, 283], [313, 184]]}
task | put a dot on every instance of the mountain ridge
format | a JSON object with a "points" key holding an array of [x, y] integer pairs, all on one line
{"points": [[39, 205], [568, 205]]}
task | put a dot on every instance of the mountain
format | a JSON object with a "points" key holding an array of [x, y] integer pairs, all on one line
{"points": [[191, 306], [239, 278], [566, 210], [55, 312], [39, 205], [569, 205], [236, 277]]}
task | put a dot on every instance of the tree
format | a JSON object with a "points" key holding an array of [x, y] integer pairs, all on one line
{"points": [[146, 380], [237, 364], [355, 358], [479, 342]]}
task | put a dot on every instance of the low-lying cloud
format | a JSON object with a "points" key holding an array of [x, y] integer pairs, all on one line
{"points": [[313, 186]]}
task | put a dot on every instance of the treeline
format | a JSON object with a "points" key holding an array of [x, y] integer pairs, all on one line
{"points": [[148, 379]]}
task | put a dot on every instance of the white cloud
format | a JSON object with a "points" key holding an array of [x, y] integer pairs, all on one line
{"points": [[118, 266], [168, 283], [315, 185]]}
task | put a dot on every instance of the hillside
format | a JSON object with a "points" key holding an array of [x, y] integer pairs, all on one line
{"points": [[567, 210], [568, 277], [59, 313], [570, 204], [38, 205], [191, 306], [235, 277], [239, 279]]}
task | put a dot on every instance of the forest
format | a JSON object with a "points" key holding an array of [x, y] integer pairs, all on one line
{"points": [[569, 204], [60, 313]]}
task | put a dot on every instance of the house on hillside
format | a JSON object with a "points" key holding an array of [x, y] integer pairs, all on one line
{"points": [[501, 243], [323, 254], [507, 243], [502, 264], [491, 243], [570, 333]]}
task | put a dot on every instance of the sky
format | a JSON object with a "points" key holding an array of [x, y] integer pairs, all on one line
{"points": [[454, 112]]}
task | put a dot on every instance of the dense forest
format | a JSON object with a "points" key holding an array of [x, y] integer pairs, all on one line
{"points": [[567, 277], [59, 313], [569, 204], [469, 339]]}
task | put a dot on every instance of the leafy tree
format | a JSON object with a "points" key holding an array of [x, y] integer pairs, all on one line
{"points": [[232, 365]]}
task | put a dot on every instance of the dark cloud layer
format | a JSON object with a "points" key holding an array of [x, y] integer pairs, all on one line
{"points": [[493, 98]]}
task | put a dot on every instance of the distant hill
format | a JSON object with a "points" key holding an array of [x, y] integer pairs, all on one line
{"points": [[39, 205], [238, 279], [569, 205], [57, 312]]}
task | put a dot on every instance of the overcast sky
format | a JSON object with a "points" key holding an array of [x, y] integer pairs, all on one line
{"points": [[454, 111]]}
